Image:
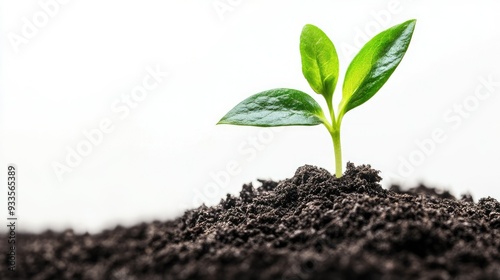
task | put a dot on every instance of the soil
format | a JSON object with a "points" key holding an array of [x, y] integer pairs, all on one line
{"points": [[311, 226]]}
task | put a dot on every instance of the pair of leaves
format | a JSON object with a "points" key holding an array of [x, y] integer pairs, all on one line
{"points": [[367, 73]]}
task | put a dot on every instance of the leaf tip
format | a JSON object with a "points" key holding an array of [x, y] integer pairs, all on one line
{"points": [[411, 23], [309, 26], [222, 121]]}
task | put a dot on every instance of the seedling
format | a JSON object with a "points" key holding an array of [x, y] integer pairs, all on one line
{"points": [[367, 73]]}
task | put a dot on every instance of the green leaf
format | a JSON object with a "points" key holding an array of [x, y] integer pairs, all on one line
{"points": [[374, 64], [320, 63], [276, 107]]}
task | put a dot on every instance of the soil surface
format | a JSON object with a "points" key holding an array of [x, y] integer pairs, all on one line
{"points": [[311, 226]]}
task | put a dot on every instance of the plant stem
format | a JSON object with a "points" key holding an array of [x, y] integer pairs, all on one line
{"points": [[330, 109], [334, 129], [338, 152]]}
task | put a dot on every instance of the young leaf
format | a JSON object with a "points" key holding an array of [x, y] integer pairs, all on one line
{"points": [[276, 107], [320, 63], [374, 64]]}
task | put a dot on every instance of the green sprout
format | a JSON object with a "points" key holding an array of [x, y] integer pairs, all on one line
{"points": [[367, 73]]}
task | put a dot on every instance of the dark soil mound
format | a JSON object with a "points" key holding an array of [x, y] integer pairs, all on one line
{"points": [[311, 226]]}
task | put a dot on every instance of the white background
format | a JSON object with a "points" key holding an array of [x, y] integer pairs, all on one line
{"points": [[167, 155]]}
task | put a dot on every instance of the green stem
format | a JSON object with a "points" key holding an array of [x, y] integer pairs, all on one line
{"points": [[330, 109], [334, 130], [338, 152]]}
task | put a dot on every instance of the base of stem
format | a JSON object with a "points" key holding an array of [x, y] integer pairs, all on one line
{"points": [[337, 149]]}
